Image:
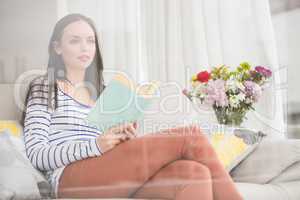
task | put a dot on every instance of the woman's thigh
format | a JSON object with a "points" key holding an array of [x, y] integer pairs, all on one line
{"points": [[122, 170]]}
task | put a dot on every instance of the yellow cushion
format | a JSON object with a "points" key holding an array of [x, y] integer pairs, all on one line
{"points": [[12, 126], [228, 147]]}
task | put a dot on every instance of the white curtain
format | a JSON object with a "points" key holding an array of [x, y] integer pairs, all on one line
{"points": [[169, 40]]}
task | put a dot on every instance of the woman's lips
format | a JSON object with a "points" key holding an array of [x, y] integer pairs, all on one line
{"points": [[84, 58]]}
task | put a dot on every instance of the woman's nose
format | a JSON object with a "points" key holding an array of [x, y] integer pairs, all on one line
{"points": [[84, 46]]}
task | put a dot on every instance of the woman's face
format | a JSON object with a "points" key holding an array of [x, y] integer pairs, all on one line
{"points": [[77, 45]]}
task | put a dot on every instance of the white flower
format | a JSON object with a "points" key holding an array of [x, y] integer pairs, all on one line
{"points": [[235, 100], [199, 90], [234, 85], [248, 100], [241, 97]]}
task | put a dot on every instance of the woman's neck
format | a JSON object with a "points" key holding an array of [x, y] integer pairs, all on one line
{"points": [[75, 76]]}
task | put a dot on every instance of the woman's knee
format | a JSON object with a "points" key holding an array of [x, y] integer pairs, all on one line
{"points": [[188, 169], [197, 138]]}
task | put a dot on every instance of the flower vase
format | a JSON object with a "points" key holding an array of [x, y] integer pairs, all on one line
{"points": [[230, 117]]}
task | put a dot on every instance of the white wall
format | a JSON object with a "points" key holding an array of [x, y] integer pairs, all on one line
{"points": [[287, 32], [25, 32]]}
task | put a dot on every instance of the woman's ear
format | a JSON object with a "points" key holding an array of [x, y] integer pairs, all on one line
{"points": [[56, 47]]}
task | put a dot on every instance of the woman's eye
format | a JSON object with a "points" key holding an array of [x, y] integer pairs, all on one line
{"points": [[91, 41]]}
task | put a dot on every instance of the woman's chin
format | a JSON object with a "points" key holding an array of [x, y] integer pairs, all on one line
{"points": [[82, 66]]}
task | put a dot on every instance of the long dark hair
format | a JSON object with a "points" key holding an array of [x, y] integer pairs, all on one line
{"points": [[56, 68]]}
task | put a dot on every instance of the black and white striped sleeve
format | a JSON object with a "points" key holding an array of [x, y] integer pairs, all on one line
{"points": [[43, 155]]}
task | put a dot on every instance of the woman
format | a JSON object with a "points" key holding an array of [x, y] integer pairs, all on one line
{"points": [[80, 161]]}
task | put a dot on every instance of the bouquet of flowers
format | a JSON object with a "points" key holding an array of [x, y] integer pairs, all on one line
{"points": [[230, 93]]}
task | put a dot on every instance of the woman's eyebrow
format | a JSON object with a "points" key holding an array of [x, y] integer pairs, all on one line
{"points": [[76, 36]]}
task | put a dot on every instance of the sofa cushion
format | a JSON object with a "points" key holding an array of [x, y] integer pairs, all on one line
{"points": [[250, 191], [15, 175], [6, 193], [16, 172], [269, 160], [291, 189], [292, 173], [274, 191]]}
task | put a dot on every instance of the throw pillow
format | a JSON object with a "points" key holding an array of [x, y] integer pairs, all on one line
{"points": [[12, 126], [228, 149], [6, 194], [16, 172], [235, 147]]}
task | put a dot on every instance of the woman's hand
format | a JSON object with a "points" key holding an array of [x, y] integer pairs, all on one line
{"points": [[116, 135], [107, 141], [128, 128]]}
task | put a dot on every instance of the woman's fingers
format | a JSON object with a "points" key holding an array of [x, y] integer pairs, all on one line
{"points": [[130, 130], [127, 128], [124, 136], [108, 140], [135, 124], [129, 134], [115, 129], [116, 139], [119, 136], [124, 131], [118, 129], [115, 142]]}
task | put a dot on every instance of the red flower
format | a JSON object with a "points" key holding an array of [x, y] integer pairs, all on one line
{"points": [[203, 76]]}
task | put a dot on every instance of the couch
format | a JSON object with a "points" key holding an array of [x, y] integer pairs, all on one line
{"points": [[271, 171]]}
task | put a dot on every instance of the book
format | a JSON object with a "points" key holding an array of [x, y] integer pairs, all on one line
{"points": [[121, 102]]}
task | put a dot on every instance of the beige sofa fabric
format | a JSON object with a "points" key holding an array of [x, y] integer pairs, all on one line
{"points": [[270, 159]]}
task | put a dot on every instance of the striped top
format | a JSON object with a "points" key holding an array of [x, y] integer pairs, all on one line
{"points": [[54, 139]]}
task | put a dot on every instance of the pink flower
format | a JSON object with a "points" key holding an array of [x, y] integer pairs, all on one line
{"points": [[185, 92], [253, 90], [263, 71], [216, 93]]}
